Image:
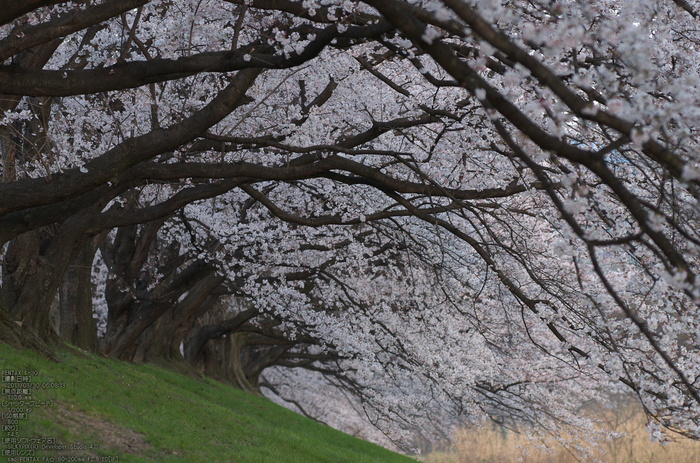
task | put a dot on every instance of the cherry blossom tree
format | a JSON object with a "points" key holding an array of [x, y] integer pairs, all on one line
{"points": [[445, 208]]}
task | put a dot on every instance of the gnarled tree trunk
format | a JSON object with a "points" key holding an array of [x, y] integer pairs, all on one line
{"points": [[30, 280], [12, 333], [76, 323], [160, 343], [220, 359], [34, 267]]}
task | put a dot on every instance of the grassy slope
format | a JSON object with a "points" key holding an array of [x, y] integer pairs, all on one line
{"points": [[143, 413]]}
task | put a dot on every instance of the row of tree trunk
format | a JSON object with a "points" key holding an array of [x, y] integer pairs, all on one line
{"points": [[163, 307]]}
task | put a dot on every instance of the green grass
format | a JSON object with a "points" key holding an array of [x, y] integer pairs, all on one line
{"points": [[143, 413]]}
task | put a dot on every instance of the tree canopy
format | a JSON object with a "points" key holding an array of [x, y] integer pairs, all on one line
{"points": [[444, 209]]}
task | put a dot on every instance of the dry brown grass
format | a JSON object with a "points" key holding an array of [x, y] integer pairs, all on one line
{"points": [[489, 444]]}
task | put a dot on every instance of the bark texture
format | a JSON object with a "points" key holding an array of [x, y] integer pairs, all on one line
{"points": [[76, 323], [13, 334]]}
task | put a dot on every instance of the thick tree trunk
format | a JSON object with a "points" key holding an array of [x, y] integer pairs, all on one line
{"points": [[154, 347], [171, 328], [161, 343], [34, 267], [130, 316], [19, 263], [12, 333], [132, 307], [220, 359], [76, 323], [123, 332], [9, 156], [234, 351], [30, 281]]}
